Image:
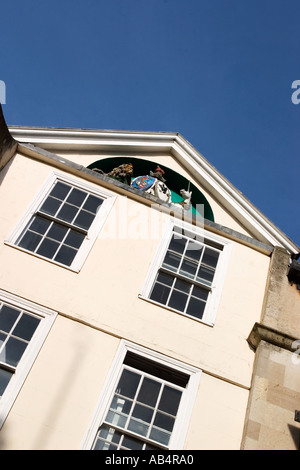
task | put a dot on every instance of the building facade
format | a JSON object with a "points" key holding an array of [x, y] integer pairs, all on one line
{"points": [[145, 302]]}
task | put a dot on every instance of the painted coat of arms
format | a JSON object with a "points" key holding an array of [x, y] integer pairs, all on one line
{"points": [[143, 182]]}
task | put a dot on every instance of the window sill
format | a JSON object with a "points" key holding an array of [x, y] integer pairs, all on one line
{"points": [[189, 317], [69, 268]]}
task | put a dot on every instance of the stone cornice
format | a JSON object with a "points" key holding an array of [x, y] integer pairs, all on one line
{"points": [[278, 338], [8, 145]]}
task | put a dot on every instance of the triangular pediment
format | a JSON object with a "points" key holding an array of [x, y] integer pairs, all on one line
{"points": [[182, 163]]}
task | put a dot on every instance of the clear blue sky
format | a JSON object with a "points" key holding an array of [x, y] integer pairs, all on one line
{"points": [[219, 72]]}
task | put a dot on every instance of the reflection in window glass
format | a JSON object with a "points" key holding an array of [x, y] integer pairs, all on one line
{"points": [[5, 376], [142, 412]]}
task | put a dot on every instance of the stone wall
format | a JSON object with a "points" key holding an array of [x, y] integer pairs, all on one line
{"points": [[275, 395], [275, 391], [7, 144]]}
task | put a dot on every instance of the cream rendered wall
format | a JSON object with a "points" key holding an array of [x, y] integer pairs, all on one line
{"points": [[104, 295], [218, 418], [129, 259], [58, 397]]}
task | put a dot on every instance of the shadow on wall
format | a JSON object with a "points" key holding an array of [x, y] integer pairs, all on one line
{"points": [[8, 144], [57, 403], [4, 171], [3, 441], [295, 433], [61, 399]]}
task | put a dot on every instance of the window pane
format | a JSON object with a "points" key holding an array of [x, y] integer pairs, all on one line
{"points": [[128, 383], [165, 279], [150, 447], [67, 212], [195, 308], [103, 445], [60, 190], [138, 427], [13, 351], [160, 293], [92, 204], [144, 413], [194, 250], [30, 241], [26, 326], [8, 316], [171, 261], [182, 285], [131, 443], [117, 419], [48, 248], [76, 197], [2, 338], [160, 436], [200, 293], [40, 225], [119, 411], [84, 220], [210, 257], [205, 275], [109, 438], [5, 377], [177, 244], [164, 421], [57, 232], [188, 268], [74, 239], [110, 434], [65, 255], [50, 206], [169, 401], [121, 404], [178, 300], [149, 392]]}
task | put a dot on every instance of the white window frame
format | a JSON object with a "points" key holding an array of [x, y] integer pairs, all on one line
{"points": [[93, 232], [212, 304], [16, 382], [185, 408]]}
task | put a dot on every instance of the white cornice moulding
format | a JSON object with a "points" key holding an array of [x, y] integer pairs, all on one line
{"points": [[223, 190], [93, 139]]}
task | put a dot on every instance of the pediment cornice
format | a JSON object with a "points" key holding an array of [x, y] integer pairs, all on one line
{"points": [[151, 143]]}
